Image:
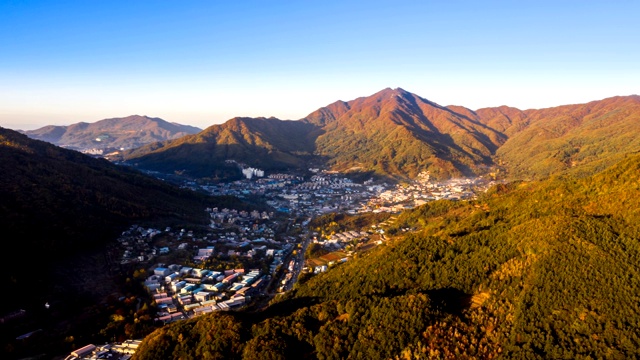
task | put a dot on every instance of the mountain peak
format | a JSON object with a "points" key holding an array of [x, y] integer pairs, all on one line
{"points": [[390, 92]]}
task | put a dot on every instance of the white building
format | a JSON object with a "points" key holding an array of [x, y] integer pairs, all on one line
{"points": [[252, 172]]}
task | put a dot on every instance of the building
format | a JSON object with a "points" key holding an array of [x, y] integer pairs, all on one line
{"points": [[83, 351], [252, 172], [162, 271]]}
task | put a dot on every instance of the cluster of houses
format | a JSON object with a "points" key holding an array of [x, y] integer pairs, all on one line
{"points": [[233, 216], [137, 242], [139, 245], [291, 194], [233, 232], [116, 351], [347, 236], [422, 190], [341, 240], [245, 234], [182, 291], [327, 191]]}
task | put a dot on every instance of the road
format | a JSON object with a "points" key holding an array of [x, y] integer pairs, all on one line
{"points": [[299, 259]]}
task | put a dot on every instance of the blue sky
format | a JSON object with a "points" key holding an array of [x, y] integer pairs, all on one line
{"points": [[204, 62]]}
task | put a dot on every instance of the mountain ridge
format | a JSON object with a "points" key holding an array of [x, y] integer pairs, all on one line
{"points": [[112, 133], [396, 134], [344, 135], [279, 144], [422, 134], [580, 138]]}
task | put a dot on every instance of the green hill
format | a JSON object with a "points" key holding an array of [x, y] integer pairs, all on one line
{"points": [[270, 144], [579, 138], [530, 270]]}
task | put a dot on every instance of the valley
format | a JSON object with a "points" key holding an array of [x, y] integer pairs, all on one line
{"points": [[290, 234], [319, 180], [245, 259]]}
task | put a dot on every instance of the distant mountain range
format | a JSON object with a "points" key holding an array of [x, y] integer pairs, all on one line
{"points": [[399, 134], [127, 132], [392, 133]]}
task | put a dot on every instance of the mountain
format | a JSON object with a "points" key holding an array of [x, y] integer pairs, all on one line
{"points": [[392, 132], [580, 138], [59, 205], [268, 143], [399, 133], [532, 270], [127, 132]]}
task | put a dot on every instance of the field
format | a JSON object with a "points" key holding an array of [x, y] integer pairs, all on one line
{"points": [[327, 258]]}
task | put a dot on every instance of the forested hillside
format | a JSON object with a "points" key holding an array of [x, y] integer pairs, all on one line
{"points": [[529, 270], [396, 134], [392, 133], [580, 139], [270, 144]]}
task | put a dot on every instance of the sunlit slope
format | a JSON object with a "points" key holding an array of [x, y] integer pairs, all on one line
{"points": [[391, 133], [395, 132], [531, 270], [266, 143], [580, 139]]}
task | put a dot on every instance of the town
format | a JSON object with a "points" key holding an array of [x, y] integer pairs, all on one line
{"points": [[241, 258], [330, 191]]}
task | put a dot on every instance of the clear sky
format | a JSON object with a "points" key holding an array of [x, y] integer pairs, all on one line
{"points": [[204, 62]]}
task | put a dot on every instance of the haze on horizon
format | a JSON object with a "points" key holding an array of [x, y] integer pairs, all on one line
{"points": [[205, 62]]}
